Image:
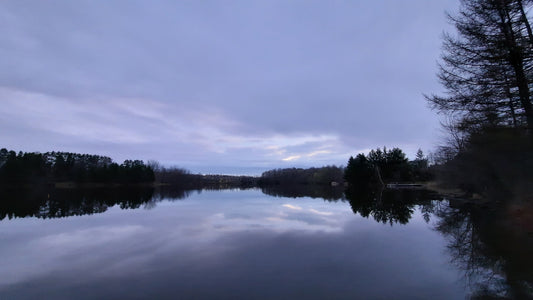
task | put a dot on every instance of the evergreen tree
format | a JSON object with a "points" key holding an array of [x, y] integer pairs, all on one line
{"points": [[359, 171], [387, 165]]}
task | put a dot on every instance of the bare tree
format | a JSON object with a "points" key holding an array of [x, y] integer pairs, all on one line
{"points": [[487, 68]]}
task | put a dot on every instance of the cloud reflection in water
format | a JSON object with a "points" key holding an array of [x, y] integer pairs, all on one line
{"points": [[225, 245]]}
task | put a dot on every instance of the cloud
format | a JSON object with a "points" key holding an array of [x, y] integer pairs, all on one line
{"points": [[322, 213], [318, 152], [214, 82], [290, 158], [290, 206]]}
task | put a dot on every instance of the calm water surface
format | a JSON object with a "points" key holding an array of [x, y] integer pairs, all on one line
{"points": [[229, 245]]}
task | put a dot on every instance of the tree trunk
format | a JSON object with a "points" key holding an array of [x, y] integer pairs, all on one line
{"points": [[378, 175], [526, 21], [510, 96], [516, 60]]}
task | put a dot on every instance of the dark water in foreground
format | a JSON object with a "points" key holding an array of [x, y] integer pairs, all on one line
{"points": [[249, 245]]}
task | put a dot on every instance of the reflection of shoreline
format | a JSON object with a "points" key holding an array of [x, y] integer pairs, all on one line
{"points": [[48, 202], [383, 205], [326, 192], [44, 202], [55, 203], [494, 255], [391, 205], [483, 241]]}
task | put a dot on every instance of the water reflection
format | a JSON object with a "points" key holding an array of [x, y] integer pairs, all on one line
{"points": [[391, 206], [494, 254], [258, 238], [224, 245], [57, 203], [325, 192]]}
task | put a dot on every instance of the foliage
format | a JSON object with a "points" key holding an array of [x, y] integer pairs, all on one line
{"points": [[487, 70], [359, 169], [53, 167], [323, 175], [182, 178], [385, 165], [420, 167], [496, 161], [487, 67]]}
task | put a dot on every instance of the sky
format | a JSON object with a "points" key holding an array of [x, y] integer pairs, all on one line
{"points": [[234, 87]]}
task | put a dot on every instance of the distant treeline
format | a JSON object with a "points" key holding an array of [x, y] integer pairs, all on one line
{"points": [[323, 175], [385, 166], [182, 178], [53, 167], [56, 167], [377, 168]]}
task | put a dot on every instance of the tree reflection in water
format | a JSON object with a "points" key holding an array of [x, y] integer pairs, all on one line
{"points": [[496, 257], [391, 206], [56, 203], [325, 192], [494, 254]]}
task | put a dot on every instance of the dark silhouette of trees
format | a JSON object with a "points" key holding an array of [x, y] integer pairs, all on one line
{"points": [[497, 161], [420, 167], [384, 166], [182, 178], [52, 167], [487, 71], [22, 167], [324, 175], [487, 67], [135, 171], [393, 164], [359, 170]]}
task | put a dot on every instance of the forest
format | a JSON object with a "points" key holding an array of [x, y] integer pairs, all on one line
{"points": [[54, 167], [183, 178], [290, 176]]}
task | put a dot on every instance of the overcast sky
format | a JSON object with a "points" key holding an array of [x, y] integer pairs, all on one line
{"points": [[220, 86]]}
